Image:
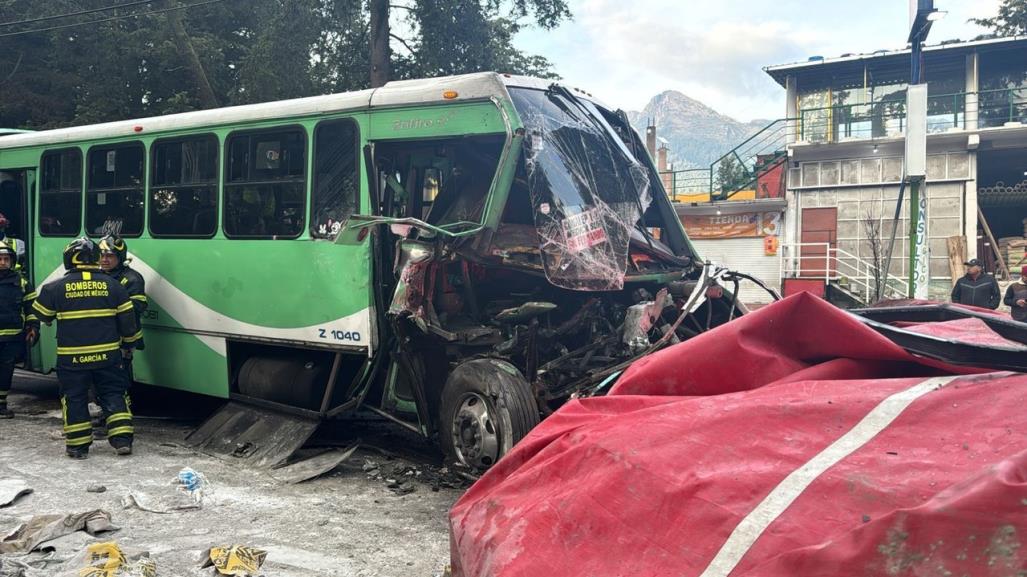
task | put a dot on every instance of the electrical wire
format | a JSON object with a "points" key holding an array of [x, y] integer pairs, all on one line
{"points": [[102, 20], [79, 13]]}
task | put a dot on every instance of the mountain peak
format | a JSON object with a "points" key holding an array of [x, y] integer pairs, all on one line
{"points": [[696, 134]]}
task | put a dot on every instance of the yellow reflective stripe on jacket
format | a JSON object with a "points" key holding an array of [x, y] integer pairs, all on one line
{"points": [[9, 332], [30, 296], [133, 338], [125, 307], [120, 431], [76, 442], [32, 318], [43, 309], [87, 314], [139, 298], [88, 349]]}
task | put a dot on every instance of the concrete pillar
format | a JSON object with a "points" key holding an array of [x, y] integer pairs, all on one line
{"points": [[970, 208], [971, 92], [792, 108], [970, 192]]}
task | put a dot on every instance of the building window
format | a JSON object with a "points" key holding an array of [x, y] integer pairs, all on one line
{"points": [[114, 190], [265, 180], [336, 192], [183, 187], [1003, 88], [60, 193]]}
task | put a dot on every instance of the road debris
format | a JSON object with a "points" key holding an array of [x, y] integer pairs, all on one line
{"points": [[313, 467], [402, 477], [11, 490], [96, 489], [107, 559], [191, 489], [237, 560], [40, 529]]}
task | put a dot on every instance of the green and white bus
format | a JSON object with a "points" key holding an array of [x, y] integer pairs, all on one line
{"points": [[457, 254]]}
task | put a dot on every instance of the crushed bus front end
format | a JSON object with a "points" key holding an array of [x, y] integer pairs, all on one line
{"points": [[576, 268]]}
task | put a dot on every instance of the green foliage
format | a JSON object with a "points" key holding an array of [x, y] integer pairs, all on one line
{"points": [[252, 51], [730, 175], [1010, 21]]}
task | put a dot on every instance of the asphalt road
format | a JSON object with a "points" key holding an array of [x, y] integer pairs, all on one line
{"points": [[348, 522]]}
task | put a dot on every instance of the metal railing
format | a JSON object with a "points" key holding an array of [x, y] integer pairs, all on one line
{"points": [[820, 260], [887, 118], [738, 169]]}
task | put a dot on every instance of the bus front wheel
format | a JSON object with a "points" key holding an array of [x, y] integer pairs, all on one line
{"points": [[486, 407]]}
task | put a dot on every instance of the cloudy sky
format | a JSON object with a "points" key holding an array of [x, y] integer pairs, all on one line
{"points": [[625, 52]]}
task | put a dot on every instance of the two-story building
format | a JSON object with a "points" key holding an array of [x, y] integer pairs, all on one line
{"points": [[846, 123]]}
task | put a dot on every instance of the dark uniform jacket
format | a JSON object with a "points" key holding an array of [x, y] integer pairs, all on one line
{"points": [[16, 298], [95, 319], [1015, 292], [980, 292], [136, 287]]}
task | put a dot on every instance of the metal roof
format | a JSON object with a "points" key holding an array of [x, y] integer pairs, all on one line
{"points": [[475, 86], [781, 71]]}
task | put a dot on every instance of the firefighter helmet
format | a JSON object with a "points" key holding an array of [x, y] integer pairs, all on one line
{"points": [[112, 244], [82, 253], [7, 249]]}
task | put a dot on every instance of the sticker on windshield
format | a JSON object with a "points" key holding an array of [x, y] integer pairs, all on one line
{"points": [[583, 230]]}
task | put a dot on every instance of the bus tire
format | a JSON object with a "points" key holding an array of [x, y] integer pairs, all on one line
{"points": [[487, 407]]}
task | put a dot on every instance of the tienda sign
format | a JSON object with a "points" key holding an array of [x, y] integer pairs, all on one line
{"points": [[738, 225]]}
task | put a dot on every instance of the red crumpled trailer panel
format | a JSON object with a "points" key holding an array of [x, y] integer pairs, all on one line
{"points": [[794, 441]]}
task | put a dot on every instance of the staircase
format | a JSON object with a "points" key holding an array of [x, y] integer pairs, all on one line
{"points": [[755, 159], [845, 279]]}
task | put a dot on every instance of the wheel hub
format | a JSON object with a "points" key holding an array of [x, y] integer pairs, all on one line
{"points": [[475, 436]]}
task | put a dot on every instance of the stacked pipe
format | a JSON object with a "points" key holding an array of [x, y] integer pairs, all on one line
{"points": [[1001, 188]]}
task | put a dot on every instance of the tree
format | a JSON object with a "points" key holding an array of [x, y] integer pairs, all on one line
{"points": [[459, 36], [875, 251], [730, 176], [225, 53], [1010, 21]]}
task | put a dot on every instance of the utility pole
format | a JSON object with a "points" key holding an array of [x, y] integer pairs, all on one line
{"points": [[921, 15]]}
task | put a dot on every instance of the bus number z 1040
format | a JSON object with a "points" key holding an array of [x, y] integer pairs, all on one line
{"points": [[335, 335]]}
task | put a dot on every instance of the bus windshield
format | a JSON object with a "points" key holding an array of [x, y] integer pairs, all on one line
{"points": [[588, 192]]}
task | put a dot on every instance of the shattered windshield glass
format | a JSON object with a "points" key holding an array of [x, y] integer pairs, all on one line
{"points": [[587, 191]]}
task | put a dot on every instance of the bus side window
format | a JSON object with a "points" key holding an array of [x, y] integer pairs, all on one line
{"points": [[114, 190], [184, 187], [336, 190], [60, 193], [265, 183]]}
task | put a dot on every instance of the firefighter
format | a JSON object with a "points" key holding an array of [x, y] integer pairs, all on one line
{"points": [[95, 321], [114, 261], [17, 245], [18, 323]]}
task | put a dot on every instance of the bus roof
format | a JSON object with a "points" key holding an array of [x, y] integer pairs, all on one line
{"points": [[397, 93]]}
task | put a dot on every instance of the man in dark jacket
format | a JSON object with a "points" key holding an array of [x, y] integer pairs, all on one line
{"points": [[1016, 297], [976, 288]]}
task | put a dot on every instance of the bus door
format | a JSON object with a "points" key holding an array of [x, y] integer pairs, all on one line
{"points": [[15, 205]]}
